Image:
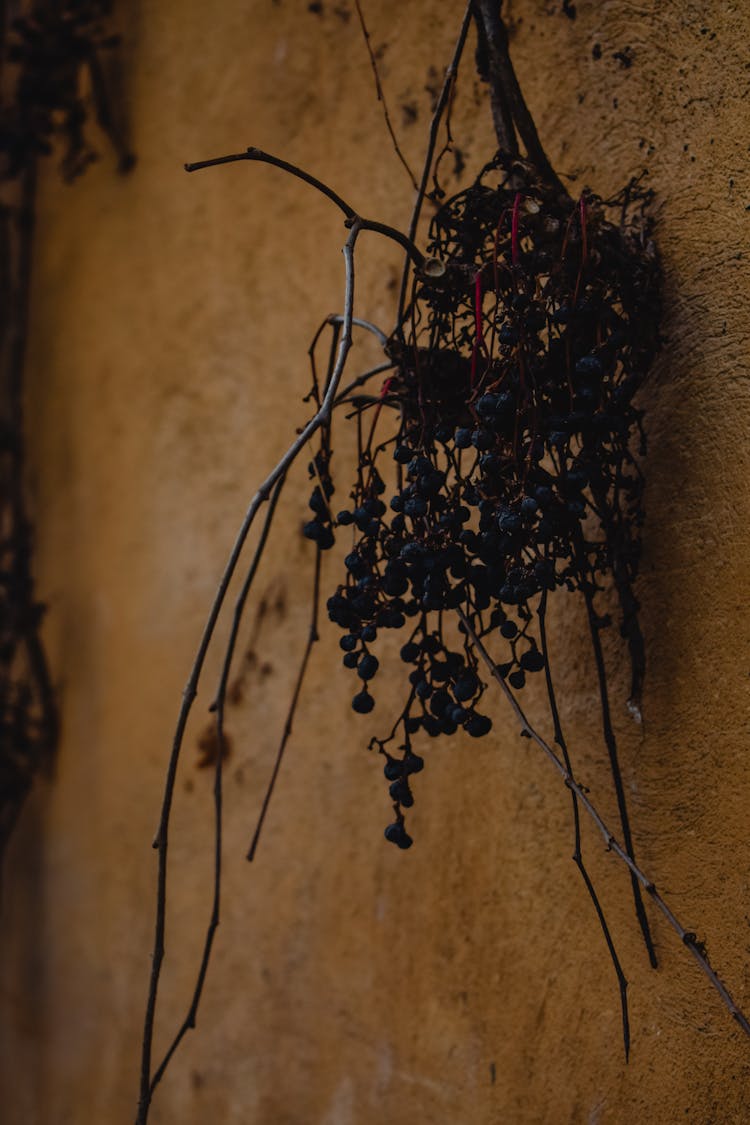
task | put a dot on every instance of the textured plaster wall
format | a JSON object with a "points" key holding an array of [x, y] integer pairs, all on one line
{"points": [[466, 980]]}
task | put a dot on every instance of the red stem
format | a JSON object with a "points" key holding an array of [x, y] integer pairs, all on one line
{"points": [[479, 337], [514, 229]]}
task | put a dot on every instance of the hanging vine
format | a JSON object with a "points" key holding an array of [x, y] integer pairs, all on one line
{"points": [[510, 469], [46, 50]]}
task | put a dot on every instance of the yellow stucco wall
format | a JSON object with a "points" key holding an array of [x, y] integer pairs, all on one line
{"points": [[466, 980]]}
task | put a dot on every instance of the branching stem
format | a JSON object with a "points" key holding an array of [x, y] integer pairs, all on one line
{"points": [[161, 841], [577, 850], [312, 637], [351, 215], [687, 937]]}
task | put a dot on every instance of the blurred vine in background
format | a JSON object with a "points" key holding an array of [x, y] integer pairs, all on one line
{"points": [[52, 79]]}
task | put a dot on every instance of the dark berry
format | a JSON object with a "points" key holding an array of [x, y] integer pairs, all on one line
{"points": [[415, 506], [479, 725], [510, 522], [532, 661], [356, 565], [589, 365], [488, 406], [363, 703], [367, 666], [482, 439], [440, 702], [400, 792], [396, 834], [465, 687]]}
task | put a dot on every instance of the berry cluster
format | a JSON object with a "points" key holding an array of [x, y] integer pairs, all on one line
{"points": [[513, 470]]}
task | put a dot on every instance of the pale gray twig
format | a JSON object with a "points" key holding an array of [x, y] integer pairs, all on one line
{"points": [[337, 318]]}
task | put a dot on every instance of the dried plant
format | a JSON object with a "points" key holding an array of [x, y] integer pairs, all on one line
{"points": [[510, 469]]}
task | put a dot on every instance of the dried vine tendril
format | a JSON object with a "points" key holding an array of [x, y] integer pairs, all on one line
{"points": [[511, 471]]}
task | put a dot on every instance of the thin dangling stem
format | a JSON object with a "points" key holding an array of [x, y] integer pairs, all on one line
{"points": [[161, 841], [577, 850], [312, 637], [687, 937], [611, 744]]}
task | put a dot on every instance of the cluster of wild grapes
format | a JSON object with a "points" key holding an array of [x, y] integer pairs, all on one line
{"points": [[49, 46], [512, 471]]}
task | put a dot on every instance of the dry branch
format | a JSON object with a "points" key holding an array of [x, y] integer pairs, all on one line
{"points": [[687, 937]]}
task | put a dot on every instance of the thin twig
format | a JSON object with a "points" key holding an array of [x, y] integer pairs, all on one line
{"points": [[362, 379], [577, 849], [687, 937], [191, 688], [351, 215], [381, 95], [611, 744], [219, 707], [450, 77], [312, 637], [378, 333]]}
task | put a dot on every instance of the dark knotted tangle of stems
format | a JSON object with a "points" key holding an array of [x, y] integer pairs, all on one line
{"points": [[509, 471]]}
